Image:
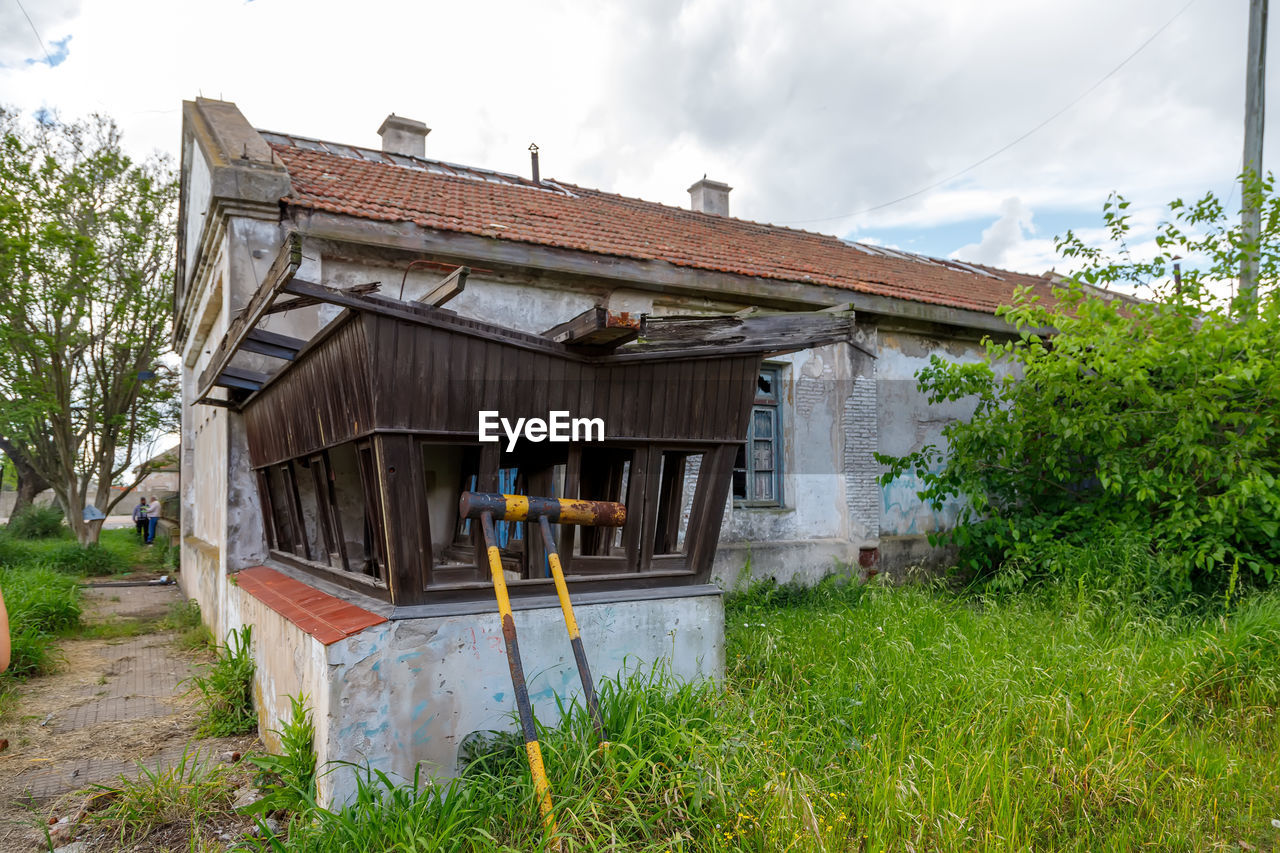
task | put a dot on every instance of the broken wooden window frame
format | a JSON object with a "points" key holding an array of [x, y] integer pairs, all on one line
{"points": [[767, 404]]}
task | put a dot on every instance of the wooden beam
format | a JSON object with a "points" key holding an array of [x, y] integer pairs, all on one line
{"points": [[598, 328], [235, 377], [272, 344], [452, 284], [761, 332], [307, 302], [213, 401], [282, 270]]}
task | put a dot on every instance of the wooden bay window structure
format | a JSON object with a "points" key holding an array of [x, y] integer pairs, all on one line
{"points": [[365, 438]]}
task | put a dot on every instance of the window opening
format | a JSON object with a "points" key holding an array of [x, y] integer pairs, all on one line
{"points": [[677, 484], [605, 476], [309, 509], [349, 509], [377, 566]]}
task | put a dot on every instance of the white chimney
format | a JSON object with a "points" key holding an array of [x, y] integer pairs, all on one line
{"points": [[404, 136], [710, 197]]}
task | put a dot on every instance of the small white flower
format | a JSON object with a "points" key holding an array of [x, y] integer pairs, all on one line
{"points": [[1275, 822]]}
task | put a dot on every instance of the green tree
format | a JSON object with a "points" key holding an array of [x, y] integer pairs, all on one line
{"points": [[1108, 414], [86, 243]]}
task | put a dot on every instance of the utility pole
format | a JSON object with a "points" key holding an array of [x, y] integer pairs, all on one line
{"points": [[1251, 182]]}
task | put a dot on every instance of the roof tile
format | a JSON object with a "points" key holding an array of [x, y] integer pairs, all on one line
{"points": [[453, 198]]}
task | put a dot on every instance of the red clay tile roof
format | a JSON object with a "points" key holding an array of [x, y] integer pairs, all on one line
{"points": [[372, 185]]}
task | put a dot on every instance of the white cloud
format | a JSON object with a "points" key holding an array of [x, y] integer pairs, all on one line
{"points": [[1003, 236], [810, 109]]}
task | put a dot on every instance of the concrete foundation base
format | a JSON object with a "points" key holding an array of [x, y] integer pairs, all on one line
{"points": [[807, 561], [405, 694], [903, 557]]}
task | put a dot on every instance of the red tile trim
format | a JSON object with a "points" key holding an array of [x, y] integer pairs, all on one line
{"points": [[321, 615]]}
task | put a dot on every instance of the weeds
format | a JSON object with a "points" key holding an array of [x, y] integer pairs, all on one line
{"points": [[226, 689], [289, 779], [87, 560], [184, 617], [193, 792]]}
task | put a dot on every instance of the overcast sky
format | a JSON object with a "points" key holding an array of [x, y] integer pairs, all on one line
{"points": [[813, 111]]}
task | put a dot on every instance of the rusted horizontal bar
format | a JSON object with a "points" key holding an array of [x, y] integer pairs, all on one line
{"points": [[560, 511]]}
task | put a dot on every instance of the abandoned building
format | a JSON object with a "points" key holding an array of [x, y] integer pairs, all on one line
{"points": [[344, 316]]}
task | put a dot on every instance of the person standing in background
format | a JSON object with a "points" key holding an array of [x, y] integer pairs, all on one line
{"points": [[140, 519], [153, 516]]}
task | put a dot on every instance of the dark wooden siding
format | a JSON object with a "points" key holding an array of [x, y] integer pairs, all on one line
{"points": [[436, 380], [322, 399]]}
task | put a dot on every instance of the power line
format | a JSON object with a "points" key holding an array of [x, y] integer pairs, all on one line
{"points": [[31, 24], [1005, 148]]}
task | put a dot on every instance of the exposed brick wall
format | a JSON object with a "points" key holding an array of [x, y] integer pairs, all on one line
{"points": [[860, 467]]}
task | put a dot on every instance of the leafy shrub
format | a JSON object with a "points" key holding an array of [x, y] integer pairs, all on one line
{"points": [[226, 689], [1149, 417], [91, 560], [37, 521]]}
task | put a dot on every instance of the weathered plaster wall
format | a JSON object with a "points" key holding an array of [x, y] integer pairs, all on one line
{"points": [[906, 423], [830, 509], [288, 662]]}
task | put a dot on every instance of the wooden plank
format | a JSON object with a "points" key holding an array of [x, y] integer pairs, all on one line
{"points": [[271, 344], [708, 510], [282, 271], [598, 328], [452, 284], [406, 518], [307, 301], [235, 377], [761, 332], [213, 401]]}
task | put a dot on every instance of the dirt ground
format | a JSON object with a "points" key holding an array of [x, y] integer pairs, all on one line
{"points": [[114, 706]]}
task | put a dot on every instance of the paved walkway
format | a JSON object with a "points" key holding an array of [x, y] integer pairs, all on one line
{"points": [[117, 706]]}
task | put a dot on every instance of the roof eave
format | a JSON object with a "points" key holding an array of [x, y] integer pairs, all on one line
{"points": [[659, 276]]}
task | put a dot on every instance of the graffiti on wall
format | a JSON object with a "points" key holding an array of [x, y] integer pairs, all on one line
{"points": [[903, 513]]}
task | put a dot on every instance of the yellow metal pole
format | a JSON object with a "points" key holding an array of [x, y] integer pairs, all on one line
{"points": [[571, 623], [541, 787]]}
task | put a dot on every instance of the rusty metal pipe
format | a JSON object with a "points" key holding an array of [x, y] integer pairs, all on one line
{"points": [[571, 624], [554, 510], [541, 788]]}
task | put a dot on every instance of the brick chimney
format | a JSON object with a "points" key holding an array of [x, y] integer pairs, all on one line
{"points": [[710, 197], [404, 136]]}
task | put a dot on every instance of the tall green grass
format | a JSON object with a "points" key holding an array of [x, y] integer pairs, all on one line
{"points": [[1076, 715], [41, 603], [39, 579]]}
